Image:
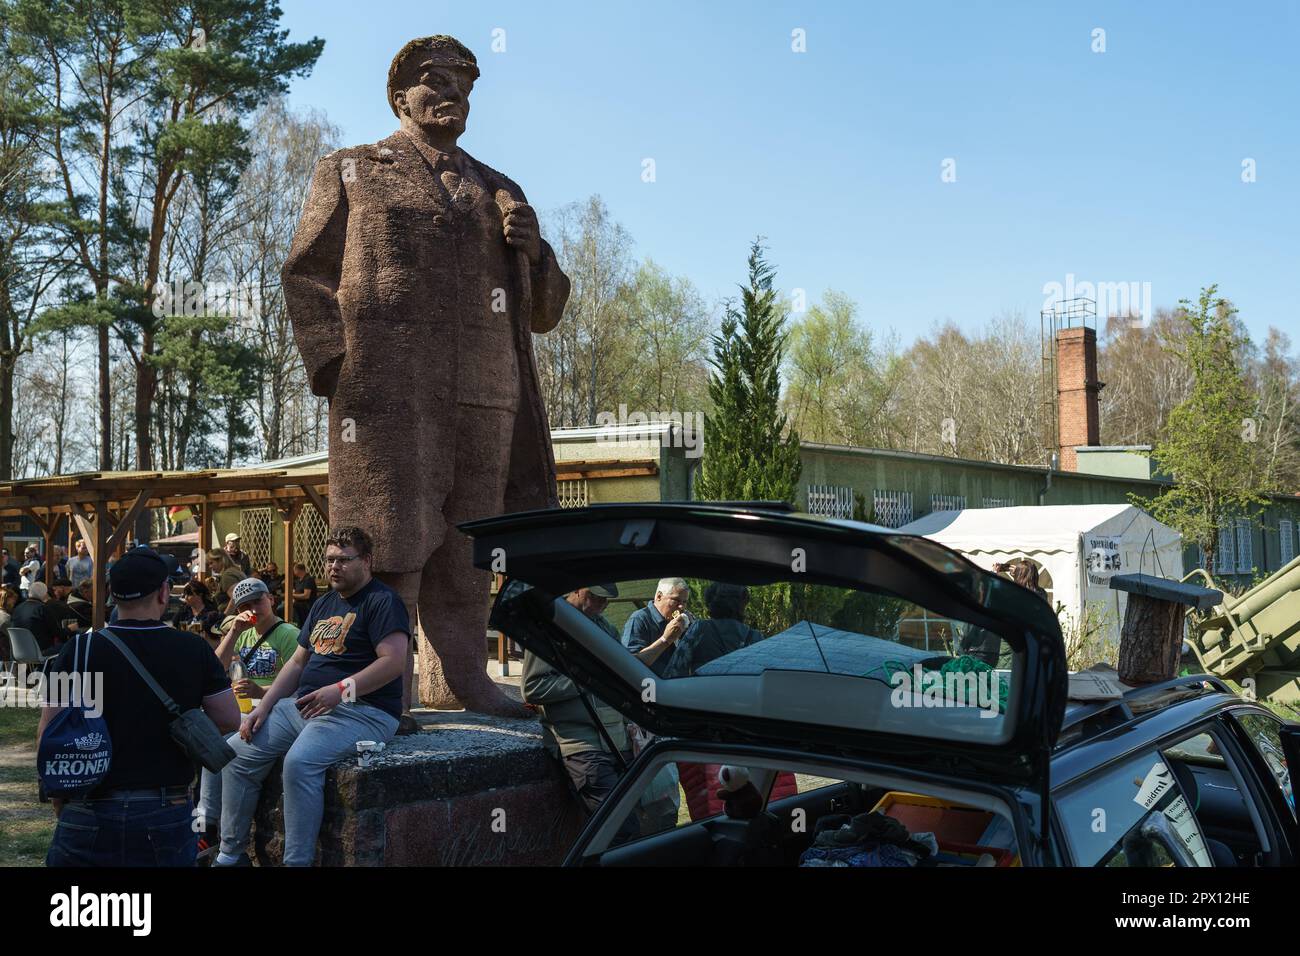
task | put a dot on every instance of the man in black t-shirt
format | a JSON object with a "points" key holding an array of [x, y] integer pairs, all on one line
{"points": [[140, 814], [304, 593], [343, 685]]}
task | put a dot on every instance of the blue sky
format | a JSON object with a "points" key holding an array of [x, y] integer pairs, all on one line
{"points": [[1118, 166]]}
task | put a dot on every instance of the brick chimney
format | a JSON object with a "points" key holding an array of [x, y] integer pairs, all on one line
{"points": [[1078, 419]]}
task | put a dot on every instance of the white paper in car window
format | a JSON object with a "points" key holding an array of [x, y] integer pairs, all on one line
{"points": [[1180, 816], [1157, 783]]}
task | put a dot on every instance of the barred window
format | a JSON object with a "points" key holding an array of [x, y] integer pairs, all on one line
{"points": [[1224, 562], [1286, 536], [830, 501], [572, 493], [998, 503], [1245, 547], [947, 502], [892, 509]]}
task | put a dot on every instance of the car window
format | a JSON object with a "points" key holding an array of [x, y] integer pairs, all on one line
{"points": [[1263, 732], [949, 672], [1108, 817]]}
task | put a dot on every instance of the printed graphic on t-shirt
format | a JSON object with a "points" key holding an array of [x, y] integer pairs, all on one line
{"points": [[329, 635], [263, 662]]}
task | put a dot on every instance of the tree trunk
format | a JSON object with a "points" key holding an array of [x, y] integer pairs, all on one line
{"points": [[105, 402], [1151, 642], [8, 359], [145, 386]]}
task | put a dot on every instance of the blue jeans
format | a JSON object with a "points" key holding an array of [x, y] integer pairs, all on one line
{"points": [[136, 832], [309, 748]]}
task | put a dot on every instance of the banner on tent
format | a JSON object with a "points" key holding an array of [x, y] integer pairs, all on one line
{"points": [[1103, 559]]}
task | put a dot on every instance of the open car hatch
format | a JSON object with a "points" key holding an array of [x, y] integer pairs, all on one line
{"points": [[825, 666]]}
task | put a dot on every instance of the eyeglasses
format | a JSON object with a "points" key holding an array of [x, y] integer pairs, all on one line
{"points": [[341, 562]]}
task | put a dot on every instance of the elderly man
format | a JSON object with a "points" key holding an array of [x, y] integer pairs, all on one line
{"points": [[414, 284], [652, 632], [569, 730], [235, 557]]}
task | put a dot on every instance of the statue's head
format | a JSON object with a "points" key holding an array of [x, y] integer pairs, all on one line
{"points": [[429, 83]]}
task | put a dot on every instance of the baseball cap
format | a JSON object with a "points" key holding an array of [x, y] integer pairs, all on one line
{"points": [[139, 572], [604, 590], [233, 536], [249, 589]]}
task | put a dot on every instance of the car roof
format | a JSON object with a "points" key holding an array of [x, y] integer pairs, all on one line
{"points": [[1094, 734]]}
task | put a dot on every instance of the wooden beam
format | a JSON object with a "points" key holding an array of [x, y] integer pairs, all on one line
{"points": [[41, 523], [127, 521], [99, 591], [47, 532], [322, 508], [205, 532], [289, 510], [85, 524], [261, 496], [604, 473]]}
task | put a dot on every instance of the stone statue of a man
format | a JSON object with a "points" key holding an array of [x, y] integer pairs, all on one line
{"points": [[415, 281]]}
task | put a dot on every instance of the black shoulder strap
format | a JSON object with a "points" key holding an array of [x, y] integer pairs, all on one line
{"points": [[144, 674], [246, 656]]}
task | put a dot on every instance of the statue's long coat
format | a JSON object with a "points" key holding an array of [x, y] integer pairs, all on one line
{"points": [[391, 283]]}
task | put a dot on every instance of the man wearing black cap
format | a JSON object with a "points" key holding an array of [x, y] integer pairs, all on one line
{"points": [[569, 731], [140, 815]]}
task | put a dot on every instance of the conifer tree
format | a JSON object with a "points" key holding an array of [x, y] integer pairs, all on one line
{"points": [[750, 453]]}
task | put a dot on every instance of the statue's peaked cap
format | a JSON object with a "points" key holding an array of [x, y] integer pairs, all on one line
{"points": [[442, 49]]}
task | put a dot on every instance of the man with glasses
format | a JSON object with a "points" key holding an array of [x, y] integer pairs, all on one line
{"points": [[342, 685]]}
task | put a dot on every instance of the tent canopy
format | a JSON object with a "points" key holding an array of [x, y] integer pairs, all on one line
{"points": [[1061, 539], [1046, 528]]}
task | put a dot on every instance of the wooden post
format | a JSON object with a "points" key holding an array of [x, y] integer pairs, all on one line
{"points": [[99, 554], [289, 514], [205, 532], [46, 527], [1151, 642]]}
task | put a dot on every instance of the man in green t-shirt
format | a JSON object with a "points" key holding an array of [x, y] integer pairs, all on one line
{"points": [[264, 644]]}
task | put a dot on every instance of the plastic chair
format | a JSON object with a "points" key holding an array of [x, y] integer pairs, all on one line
{"points": [[25, 649]]}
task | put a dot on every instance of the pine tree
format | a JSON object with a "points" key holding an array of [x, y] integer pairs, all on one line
{"points": [[750, 453]]}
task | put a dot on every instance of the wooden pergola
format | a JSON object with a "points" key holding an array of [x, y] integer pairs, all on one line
{"points": [[104, 506]]}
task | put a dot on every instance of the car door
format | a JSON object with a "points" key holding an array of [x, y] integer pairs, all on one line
{"points": [[825, 671]]}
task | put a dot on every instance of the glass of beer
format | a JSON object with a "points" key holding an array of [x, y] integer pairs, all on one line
{"points": [[237, 673]]}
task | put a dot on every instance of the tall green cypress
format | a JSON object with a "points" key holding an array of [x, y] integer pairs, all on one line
{"points": [[750, 453]]}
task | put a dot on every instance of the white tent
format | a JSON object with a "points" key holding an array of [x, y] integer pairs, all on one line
{"points": [[1078, 546]]}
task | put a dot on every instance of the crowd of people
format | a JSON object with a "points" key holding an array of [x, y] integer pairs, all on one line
{"points": [[305, 690], [309, 689], [55, 612]]}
